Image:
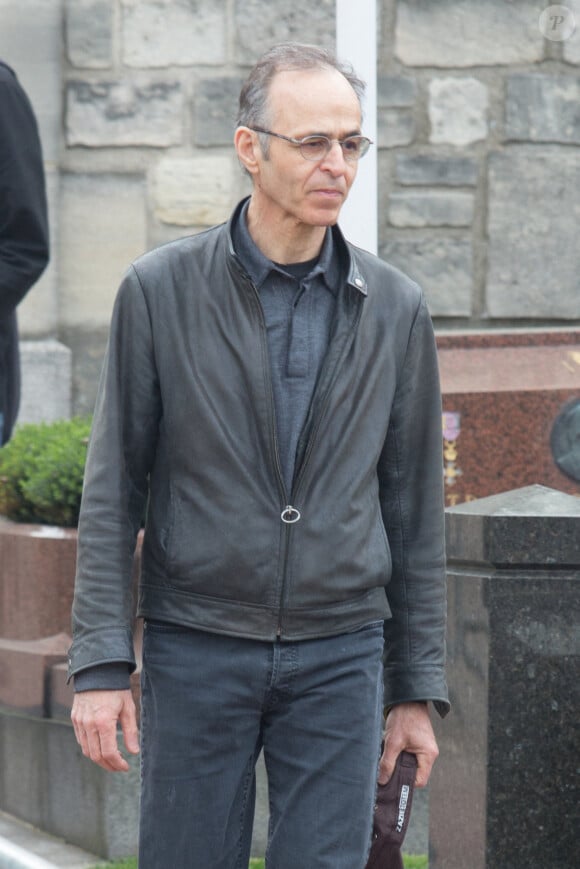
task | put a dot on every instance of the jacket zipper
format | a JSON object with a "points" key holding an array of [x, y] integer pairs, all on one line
{"points": [[309, 447], [290, 515]]}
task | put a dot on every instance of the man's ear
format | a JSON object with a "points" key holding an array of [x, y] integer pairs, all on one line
{"points": [[248, 149]]}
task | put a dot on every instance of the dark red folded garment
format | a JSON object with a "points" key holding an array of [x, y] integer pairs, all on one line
{"points": [[392, 813]]}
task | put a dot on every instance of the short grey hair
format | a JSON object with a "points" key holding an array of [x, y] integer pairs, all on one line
{"points": [[253, 105]]}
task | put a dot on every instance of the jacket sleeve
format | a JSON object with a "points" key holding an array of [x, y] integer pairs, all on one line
{"points": [[24, 244], [412, 503], [120, 455]]}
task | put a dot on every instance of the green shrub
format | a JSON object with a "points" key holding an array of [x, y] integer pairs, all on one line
{"points": [[41, 472]]}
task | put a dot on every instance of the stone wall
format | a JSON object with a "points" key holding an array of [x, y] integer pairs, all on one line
{"points": [[479, 147]]}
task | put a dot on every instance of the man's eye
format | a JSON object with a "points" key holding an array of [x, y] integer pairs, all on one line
{"points": [[316, 143], [352, 145]]}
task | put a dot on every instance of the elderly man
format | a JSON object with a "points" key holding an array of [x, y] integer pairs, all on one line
{"points": [[271, 394]]}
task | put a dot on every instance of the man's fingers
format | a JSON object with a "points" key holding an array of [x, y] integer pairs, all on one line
{"points": [[129, 726], [424, 767], [81, 738], [93, 745], [387, 763], [110, 756], [100, 746]]}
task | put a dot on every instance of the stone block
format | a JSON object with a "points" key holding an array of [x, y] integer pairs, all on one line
{"points": [[103, 230], [122, 113], [258, 25], [571, 49], [192, 191], [423, 169], [24, 666], [159, 33], [163, 233], [31, 42], [215, 109], [511, 413], [457, 111], [396, 96], [443, 267], [60, 693], [503, 791], [396, 127], [89, 33], [471, 33], [46, 381], [87, 347], [533, 219], [543, 108], [38, 569], [396, 91], [431, 208]]}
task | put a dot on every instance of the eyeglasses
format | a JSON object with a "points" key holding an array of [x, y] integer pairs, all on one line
{"points": [[317, 147]]}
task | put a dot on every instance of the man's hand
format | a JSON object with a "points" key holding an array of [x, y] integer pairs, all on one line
{"points": [[409, 728], [95, 715]]}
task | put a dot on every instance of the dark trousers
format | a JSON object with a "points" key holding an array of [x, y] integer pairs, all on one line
{"points": [[209, 705]]}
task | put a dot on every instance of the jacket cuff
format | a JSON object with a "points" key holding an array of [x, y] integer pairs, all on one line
{"points": [[103, 677], [106, 646], [420, 685]]}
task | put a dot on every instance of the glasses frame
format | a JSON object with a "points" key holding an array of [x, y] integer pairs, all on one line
{"points": [[350, 158]]}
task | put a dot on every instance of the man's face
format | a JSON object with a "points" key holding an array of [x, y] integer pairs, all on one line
{"points": [[288, 187]]}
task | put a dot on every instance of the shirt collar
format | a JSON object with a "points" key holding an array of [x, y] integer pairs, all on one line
{"points": [[259, 266]]}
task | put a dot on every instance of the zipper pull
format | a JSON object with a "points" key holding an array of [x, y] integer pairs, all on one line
{"points": [[290, 515]]}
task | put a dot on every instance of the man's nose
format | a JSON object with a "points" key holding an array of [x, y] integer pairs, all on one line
{"points": [[333, 160]]}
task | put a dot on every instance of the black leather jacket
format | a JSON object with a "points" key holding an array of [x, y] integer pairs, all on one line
{"points": [[185, 420], [24, 244]]}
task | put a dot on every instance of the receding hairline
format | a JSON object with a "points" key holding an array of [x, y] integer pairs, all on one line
{"points": [[289, 57], [293, 87]]}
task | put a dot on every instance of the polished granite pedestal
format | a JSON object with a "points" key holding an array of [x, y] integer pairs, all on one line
{"points": [[505, 793]]}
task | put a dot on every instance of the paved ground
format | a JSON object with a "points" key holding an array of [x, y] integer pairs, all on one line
{"points": [[24, 847]]}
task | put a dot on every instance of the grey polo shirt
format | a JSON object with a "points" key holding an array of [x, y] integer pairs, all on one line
{"points": [[298, 301]]}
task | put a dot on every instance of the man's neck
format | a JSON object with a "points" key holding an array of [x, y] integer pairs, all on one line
{"points": [[293, 242]]}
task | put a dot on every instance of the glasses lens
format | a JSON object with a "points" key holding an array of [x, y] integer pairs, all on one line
{"points": [[314, 147], [317, 147], [355, 147]]}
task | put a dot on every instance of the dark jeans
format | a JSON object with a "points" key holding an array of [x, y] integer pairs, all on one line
{"points": [[210, 703]]}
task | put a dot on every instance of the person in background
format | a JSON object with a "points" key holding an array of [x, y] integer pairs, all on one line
{"points": [[24, 238], [270, 395]]}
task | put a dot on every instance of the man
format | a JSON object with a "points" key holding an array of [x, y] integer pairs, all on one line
{"points": [[272, 393], [23, 230]]}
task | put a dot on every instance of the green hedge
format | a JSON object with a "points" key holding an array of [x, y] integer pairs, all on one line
{"points": [[41, 472]]}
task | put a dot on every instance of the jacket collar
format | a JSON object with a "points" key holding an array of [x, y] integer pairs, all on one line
{"points": [[354, 276]]}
